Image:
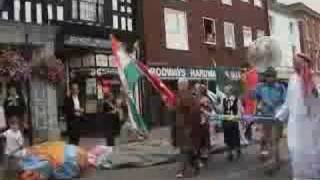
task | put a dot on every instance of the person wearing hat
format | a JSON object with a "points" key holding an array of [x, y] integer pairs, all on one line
{"points": [[270, 96]]}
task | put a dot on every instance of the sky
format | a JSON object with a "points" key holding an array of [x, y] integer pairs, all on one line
{"points": [[314, 4]]}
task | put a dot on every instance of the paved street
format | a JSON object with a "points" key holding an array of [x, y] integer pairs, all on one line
{"points": [[248, 168]]}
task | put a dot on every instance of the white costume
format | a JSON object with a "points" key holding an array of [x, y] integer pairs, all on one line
{"points": [[303, 132]]}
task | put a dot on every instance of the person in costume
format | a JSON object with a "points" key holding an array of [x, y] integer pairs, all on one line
{"points": [[270, 96], [303, 123]]}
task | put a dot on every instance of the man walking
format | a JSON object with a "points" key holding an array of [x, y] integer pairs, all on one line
{"points": [[74, 114], [270, 96], [187, 129]]}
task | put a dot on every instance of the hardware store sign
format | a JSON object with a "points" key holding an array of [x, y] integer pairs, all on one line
{"points": [[190, 73]]}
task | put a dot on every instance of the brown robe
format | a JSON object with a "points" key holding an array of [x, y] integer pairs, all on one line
{"points": [[188, 117]]}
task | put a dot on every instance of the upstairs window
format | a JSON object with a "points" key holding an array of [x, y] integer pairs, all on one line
{"points": [[258, 3], [50, 12], [291, 28], [60, 13], [227, 2], [247, 36], [17, 9], [74, 9], [4, 15], [229, 36], [115, 5], [39, 13], [247, 1], [28, 11], [176, 29], [88, 10], [209, 31]]}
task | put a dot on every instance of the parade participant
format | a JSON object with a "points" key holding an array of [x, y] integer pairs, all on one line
{"points": [[270, 96], [74, 113], [15, 105], [303, 124], [206, 111], [231, 132], [187, 129]]}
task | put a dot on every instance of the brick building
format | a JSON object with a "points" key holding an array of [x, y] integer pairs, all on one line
{"points": [[309, 24], [186, 38]]}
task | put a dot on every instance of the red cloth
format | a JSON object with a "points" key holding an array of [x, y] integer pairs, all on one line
{"points": [[250, 84], [251, 79]]}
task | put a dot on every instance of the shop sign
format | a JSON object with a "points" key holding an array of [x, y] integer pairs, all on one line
{"points": [[190, 73], [105, 71], [87, 42]]}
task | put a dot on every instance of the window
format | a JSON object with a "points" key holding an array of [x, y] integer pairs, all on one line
{"points": [[258, 3], [129, 1], [88, 10], [60, 13], [293, 49], [115, 21], [74, 9], [245, 1], [271, 23], [115, 5], [176, 29], [28, 11], [291, 28], [123, 23], [101, 10], [17, 8], [227, 2], [229, 37], [50, 12], [129, 10], [122, 9], [247, 36], [260, 33], [4, 15], [209, 30], [39, 13], [129, 21]]}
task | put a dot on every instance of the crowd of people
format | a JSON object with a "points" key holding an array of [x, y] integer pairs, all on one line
{"points": [[191, 132], [270, 101]]}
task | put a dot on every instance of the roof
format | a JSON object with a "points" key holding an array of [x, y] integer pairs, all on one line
{"points": [[279, 7], [302, 7]]}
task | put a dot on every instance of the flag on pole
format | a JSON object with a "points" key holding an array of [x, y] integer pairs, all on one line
{"points": [[129, 75], [166, 94]]}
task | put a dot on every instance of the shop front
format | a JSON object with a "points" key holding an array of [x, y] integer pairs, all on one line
{"points": [[214, 78]]}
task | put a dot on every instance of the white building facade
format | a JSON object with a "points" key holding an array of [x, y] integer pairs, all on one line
{"points": [[284, 27]]}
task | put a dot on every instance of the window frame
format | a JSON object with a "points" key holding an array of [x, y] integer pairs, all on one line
{"points": [[227, 2], [17, 10], [246, 29], [60, 13], [214, 28], [225, 24], [39, 12], [260, 4], [28, 12], [50, 11], [182, 33]]}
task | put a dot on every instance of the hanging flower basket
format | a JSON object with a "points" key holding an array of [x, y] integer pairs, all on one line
{"points": [[50, 69], [13, 66]]}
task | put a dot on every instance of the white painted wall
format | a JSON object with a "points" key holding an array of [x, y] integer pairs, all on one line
{"points": [[280, 30]]}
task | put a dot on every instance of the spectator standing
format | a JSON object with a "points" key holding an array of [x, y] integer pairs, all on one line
{"points": [[74, 113]]}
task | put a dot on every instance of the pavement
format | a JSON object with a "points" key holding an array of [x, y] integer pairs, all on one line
{"points": [[247, 168]]}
